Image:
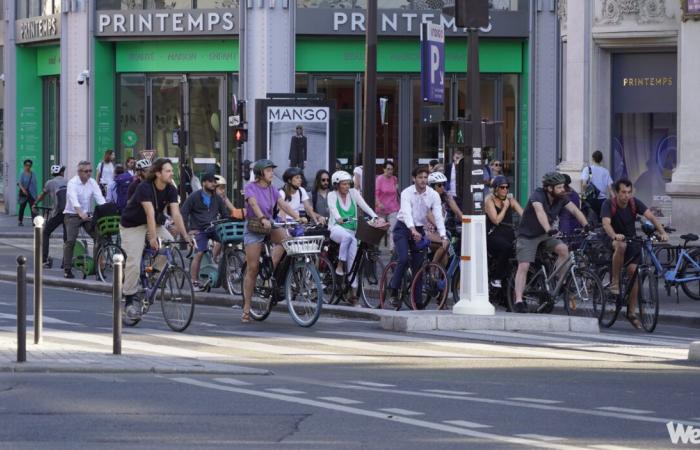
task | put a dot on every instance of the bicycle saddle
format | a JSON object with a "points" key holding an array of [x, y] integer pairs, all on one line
{"points": [[690, 237]]}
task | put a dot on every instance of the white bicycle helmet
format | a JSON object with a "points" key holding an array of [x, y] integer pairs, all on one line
{"points": [[220, 180], [339, 176], [437, 177], [55, 170], [143, 164]]}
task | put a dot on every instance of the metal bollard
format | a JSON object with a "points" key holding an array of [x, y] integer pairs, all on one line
{"points": [[118, 261], [21, 309], [38, 279]]}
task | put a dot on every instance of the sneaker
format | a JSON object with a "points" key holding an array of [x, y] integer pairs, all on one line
{"points": [[394, 298], [197, 287], [48, 264], [68, 274], [133, 311], [614, 289], [520, 307], [496, 284]]}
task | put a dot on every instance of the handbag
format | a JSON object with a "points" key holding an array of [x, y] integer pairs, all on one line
{"points": [[592, 192], [255, 224]]}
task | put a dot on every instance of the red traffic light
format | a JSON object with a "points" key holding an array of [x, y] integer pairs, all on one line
{"points": [[241, 135]]}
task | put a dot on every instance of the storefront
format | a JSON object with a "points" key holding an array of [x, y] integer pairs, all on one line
{"points": [[330, 60], [171, 97]]}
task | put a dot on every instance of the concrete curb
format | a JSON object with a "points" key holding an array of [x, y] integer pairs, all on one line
{"points": [[21, 234], [694, 351], [39, 367]]}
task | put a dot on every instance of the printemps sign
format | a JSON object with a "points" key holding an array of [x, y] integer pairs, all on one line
{"points": [[166, 23], [34, 29]]}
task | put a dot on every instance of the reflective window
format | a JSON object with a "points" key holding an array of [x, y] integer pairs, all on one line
{"points": [[301, 83], [132, 115], [425, 122], [503, 5], [36, 8], [166, 4], [342, 90]]}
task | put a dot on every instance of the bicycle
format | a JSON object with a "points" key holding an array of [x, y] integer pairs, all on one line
{"points": [[227, 272], [680, 267], [303, 291], [577, 287], [108, 244], [172, 281]]}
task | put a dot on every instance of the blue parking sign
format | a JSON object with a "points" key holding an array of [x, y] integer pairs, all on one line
{"points": [[432, 62]]}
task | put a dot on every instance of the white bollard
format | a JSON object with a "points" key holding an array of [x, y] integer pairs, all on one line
{"points": [[473, 269]]}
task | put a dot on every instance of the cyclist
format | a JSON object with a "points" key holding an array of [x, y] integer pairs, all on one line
{"points": [[500, 233], [81, 190], [343, 204], [144, 217], [416, 201], [319, 194], [536, 229], [221, 190], [56, 189], [438, 182], [142, 166], [261, 199], [296, 196], [200, 209], [619, 215]]}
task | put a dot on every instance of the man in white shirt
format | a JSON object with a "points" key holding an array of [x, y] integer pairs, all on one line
{"points": [[600, 177], [80, 193], [408, 234], [105, 171]]}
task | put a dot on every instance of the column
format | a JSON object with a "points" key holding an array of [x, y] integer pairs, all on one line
{"points": [[9, 163], [685, 187], [268, 55]]}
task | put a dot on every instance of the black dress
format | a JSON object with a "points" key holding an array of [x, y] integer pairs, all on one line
{"points": [[499, 243]]}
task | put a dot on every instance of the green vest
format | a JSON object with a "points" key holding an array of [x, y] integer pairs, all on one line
{"points": [[350, 213]]}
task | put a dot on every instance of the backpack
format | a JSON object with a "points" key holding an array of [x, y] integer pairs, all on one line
{"points": [[122, 183], [591, 193], [60, 200], [613, 207]]}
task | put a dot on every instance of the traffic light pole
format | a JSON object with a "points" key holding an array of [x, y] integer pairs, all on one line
{"points": [[369, 153]]}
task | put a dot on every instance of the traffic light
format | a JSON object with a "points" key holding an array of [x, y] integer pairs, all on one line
{"points": [[472, 13], [241, 135], [240, 110]]}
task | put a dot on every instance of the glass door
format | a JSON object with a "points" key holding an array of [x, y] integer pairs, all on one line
{"points": [[206, 110], [52, 125], [166, 114]]}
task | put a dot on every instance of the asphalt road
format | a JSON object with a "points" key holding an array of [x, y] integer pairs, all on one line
{"points": [[347, 384]]}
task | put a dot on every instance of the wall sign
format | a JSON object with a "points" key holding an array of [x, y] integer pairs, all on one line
{"points": [[432, 58], [36, 29], [179, 22], [644, 82]]}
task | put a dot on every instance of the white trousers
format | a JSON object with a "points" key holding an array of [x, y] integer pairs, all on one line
{"points": [[133, 243], [348, 246]]}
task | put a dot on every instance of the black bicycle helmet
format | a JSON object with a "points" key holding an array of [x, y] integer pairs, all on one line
{"points": [[291, 173], [553, 179], [261, 165], [567, 179]]}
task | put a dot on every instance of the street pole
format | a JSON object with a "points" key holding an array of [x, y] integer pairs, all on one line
{"points": [[369, 152], [38, 281], [473, 292], [21, 309], [118, 261]]}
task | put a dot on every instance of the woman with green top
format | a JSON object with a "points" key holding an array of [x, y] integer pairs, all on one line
{"points": [[344, 204]]}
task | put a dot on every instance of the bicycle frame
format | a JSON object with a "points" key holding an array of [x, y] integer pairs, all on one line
{"points": [[566, 267], [150, 291]]}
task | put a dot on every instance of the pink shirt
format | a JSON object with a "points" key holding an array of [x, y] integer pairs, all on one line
{"points": [[386, 191]]}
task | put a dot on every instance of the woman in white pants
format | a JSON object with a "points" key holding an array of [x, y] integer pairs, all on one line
{"points": [[343, 204]]}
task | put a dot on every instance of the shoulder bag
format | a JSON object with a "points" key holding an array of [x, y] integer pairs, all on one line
{"points": [[592, 192], [255, 224]]}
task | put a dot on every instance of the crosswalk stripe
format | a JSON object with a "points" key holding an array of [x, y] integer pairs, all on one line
{"points": [[402, 412], [373, 384], [232, 381], [467, 424], [625, 410], [341, 400], [541, 437], [285, 391], [448, 392], [535, 400]]}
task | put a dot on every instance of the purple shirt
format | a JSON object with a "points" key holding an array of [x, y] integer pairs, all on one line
{"points": [[266, 198]]}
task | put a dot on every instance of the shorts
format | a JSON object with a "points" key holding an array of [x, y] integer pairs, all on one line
{"points": [[526, 248], [250, 238], [633, 253], [201, 240]]}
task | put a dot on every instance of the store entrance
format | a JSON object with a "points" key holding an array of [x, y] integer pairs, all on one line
{"points": [[51, 94]]}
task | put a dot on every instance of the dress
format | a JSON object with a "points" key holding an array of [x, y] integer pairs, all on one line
{"points": [[499, 243]]}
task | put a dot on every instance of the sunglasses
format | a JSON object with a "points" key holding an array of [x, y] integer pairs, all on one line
{"points": [[86, 170], [504, 186], [497, 164], [325, 180]]}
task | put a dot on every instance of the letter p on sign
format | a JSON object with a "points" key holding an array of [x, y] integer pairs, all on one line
{"points": [[432, 63]]}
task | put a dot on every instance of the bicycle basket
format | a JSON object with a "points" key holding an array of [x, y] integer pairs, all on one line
{"points": [[303, 245], [369, 234], [230, 231], [108, 225]]}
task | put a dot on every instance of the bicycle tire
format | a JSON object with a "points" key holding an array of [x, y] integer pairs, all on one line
{"points": [[233, 271], [177, 298], [648, 299], [261, 306], [583, 294], [104, 264], [611, 306], [304, 293], [687, 270], [403, 292], [532, 296], [433, 290], [368, 284], [326, 272]]}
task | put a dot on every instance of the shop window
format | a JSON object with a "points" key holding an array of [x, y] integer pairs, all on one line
{"points": [[502, 5], [132, 115], [425, 123], [507, 151], [342, 90], [36, 8], [119, 4], [301, 83], [215, 4], [168, 4]]}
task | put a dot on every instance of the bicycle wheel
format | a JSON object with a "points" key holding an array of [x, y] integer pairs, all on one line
{"points": [[402, 292], [611, 307], [583, 294], [326, 271], [429, 287], [304, 293], [261, 300], [455, 285], [372, 269], [648, 299], [534, 293], [105, 262], [688, 270], [233, 260], [177, 298]]}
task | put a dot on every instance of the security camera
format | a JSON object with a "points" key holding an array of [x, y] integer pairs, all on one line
{"points": [[83, 76], [2, 77]]}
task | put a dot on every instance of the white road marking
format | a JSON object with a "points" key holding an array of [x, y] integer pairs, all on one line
{"points": [[47, 319], [467, 424], [445, 391], [285, 391], [378, 415], [542, 437], [612, 447], [535, 400], [63, 310], [373, 384], [341, 400], [232, 381], [625, 410], [402, 412]]}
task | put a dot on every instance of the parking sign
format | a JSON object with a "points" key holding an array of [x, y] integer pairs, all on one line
{"points": [[432, 58]]}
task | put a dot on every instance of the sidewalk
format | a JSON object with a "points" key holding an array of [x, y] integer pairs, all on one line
{"points": [[10, 229]]}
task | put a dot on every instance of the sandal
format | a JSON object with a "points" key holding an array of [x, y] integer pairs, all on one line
{"points": [[245, 317], [634, 320]]}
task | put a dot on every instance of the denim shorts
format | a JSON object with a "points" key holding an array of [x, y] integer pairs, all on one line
{"points": [[202, 240], [250, 238]]}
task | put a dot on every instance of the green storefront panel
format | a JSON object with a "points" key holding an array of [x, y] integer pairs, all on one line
{"points": [[48, 60], [104, 82], [178, 56], [402, 55]]}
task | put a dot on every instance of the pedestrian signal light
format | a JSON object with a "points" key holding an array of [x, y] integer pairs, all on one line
{"points": [[241, 135]]}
